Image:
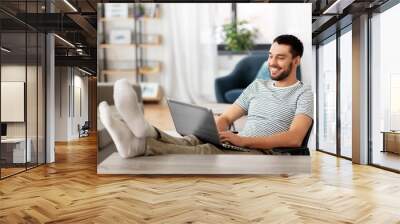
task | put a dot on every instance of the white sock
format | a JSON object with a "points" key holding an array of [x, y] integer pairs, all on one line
{"points": [[126, 143], [126, 102]]}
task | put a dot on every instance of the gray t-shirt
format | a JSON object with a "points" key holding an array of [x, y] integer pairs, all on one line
{"points": [[271, 109]]}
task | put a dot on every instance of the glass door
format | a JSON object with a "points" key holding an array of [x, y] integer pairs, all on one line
{"points": [[14, 154], [22, 77]]}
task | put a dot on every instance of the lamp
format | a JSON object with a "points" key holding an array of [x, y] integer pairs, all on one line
{"points": [[64, 40], [5, 50], [84, 71], [337, 7], [70, 5]]}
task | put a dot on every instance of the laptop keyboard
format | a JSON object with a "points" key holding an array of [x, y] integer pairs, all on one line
{"points": [[234, 147]]}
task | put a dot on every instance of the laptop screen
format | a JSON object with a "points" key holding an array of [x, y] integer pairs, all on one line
{"points": [[194, 120]]}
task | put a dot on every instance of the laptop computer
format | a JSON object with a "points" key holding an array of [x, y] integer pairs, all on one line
{"points": [[198, 121]]}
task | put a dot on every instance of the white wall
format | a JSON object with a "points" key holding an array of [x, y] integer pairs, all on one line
{"points": [[67, 114], [79, 117]]}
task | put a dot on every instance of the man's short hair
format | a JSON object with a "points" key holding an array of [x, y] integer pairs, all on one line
{"points": [[296, 46]]}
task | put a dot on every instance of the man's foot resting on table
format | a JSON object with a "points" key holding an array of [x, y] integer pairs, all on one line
{"points": [[126, 143], [127, 105]]}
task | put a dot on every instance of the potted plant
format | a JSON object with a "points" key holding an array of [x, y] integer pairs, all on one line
{"points": [[138, 10], [238, 37]]}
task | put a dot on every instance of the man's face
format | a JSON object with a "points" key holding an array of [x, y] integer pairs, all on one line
{"points": [[280, 61]]}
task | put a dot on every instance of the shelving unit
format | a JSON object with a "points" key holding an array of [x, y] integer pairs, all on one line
{"points": [[140, 66], [144, 70]]}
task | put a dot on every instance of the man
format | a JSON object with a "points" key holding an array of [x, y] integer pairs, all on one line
{"points": [[279, 113]]}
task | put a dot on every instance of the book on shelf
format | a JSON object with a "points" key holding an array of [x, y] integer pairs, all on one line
{"points": [[116, 10]]}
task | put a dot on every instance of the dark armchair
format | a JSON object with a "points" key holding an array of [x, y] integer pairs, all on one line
{"points": [[301, 151], [229, 87], [84, 129]]}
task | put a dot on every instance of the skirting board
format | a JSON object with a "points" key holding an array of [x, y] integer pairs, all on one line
{"points": [[206, 164]]}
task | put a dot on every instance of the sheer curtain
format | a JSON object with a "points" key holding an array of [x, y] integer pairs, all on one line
{"points": [[190, 52]]}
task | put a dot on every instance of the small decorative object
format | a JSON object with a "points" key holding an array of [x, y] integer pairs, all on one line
{"points": [[138, 10], [116, 10], [120, 37], [238, 37], [151, 91]]}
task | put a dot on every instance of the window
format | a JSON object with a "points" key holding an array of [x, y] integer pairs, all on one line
{"points": [[269, 20], [346, 94], [385, 89], [223, 16], [22, 75], [327, 96]]}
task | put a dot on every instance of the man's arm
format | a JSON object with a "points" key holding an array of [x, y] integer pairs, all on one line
{"points": [[291, 138], [231, 114]]}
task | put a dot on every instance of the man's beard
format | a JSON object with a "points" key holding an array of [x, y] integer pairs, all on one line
{"points": [[283, 75]]}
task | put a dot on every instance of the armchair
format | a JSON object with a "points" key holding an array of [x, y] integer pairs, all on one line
{"points": [[301, 151], [229, 87], [84, 129]]}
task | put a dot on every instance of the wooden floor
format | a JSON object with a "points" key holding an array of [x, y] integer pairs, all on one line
{"points": [[10, 171], [70, 191], [387, 159]]}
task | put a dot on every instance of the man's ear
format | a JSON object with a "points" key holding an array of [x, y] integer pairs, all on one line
{"points": [[297, 60]]}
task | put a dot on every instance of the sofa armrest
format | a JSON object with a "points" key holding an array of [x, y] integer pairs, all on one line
{"points": [[225, 83]]}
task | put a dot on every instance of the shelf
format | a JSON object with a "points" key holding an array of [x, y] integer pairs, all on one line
{"points": [[119, 72], [120, 19], [109, 46], [145, 40], [145, 70], [133, 37], [150, 70]]}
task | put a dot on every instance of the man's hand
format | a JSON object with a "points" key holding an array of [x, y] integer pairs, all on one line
{"points": [[234, 139], [222, 123]]}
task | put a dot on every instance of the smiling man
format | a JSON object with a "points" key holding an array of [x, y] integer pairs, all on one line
{"points": [[279, 113], [279, 110]]}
